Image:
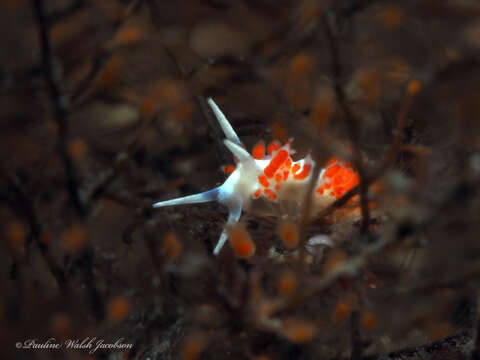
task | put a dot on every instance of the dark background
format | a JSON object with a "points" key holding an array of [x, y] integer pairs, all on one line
{"points": [[103, 112]]}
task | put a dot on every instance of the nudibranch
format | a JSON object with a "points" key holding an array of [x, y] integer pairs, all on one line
{"points": [[269, 174]]}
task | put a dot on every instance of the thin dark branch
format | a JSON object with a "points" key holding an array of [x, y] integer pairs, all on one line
{"points": [[24, 206], [103, 56], [59, 102], [65, 11], [355, 338], [351, 120]]}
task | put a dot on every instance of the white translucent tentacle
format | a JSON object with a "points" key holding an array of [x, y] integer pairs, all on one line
{"points": [[239, 152], [230, 134], [210, 195], [233, 217]]}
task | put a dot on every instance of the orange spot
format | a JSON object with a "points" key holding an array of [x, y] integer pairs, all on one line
{"points": [[183, 112], [262, 179], [274, 145], [229, 169], [301, 64], [369, 320], [323, 108], [392, 16], [339, 191], [285, 175], [341, 312], [288, 164], [193, 347], [299, 331], [172, 247], [354, 181], [335, 259], [77, 149], [109, 74], [332, 161], [320, 190], [75, 238], [148, 107], [128, 35], [257, 194], [332, 170], [327, 185], [258, 150], [278, 177], [413, 87], [118, 309], [170, 92], [261, 357], [369, 81], [278, 131], [16, 235], [268, 191], [287, 283], [61, 326], [295, 168], [240, 241], [277, 187], [272, 197], [275, 163], [46, 238], [304, 173], [288, 232]]}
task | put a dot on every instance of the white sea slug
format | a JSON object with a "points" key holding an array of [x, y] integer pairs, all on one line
{"points": [[274, 177]]}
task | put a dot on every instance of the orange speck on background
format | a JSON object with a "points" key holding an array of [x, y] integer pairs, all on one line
{"points": [[194, 346], [392, 16], [335, 258], [170, 92], [368, 79], [257, 194], [77, 149], [323, 108], [301, 64], [183, 112], [369, 320], [299, 331], [128, 35], [258, 151], [241, 241], [279, 131], [61, 326], [118, 309], [109, 74], [413, 87], [287, 283], [229, 168], [341, 312], [16, 234], [147, 107], [46, 238], [75, 238], [172, 247], [288, 232]]}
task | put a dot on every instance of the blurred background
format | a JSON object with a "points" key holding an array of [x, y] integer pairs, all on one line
{"points": [[103, 112]]}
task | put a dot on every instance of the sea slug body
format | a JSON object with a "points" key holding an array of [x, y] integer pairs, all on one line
{"points": [[269, 174]]}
